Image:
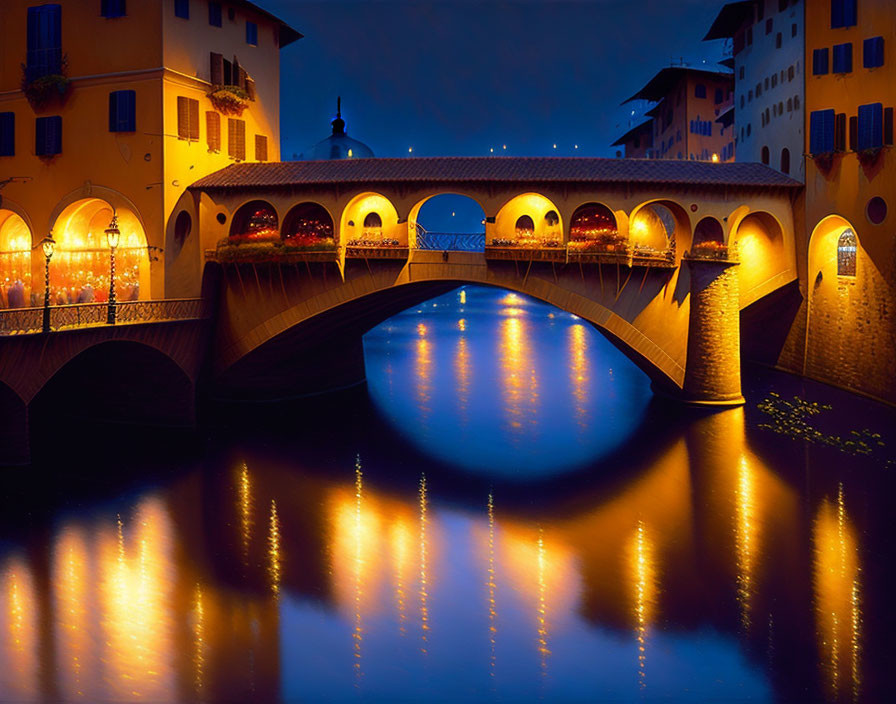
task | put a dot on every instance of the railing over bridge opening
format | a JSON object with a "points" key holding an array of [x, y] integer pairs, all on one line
{"points": [[21, 321], [450, 241]]}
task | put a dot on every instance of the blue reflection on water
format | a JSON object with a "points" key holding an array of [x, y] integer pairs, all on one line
{"points": [[526, 392]]}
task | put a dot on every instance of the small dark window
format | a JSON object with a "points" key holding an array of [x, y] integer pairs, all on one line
{"points": [[873, 52], [123, 111], [785, 160], [7, 134], [765, 156], [373, 221], [843, 13], [700, 91], [790, 73], [853, 133], [843, 58], [820, 61], [793, 30], [790, 105], [840, 132], [236, 139], [821, 131], [252, 33], [871, 126], [261, 148], [213, 130], [876, 210], [48, 135], [231, 14], [847, 246], [742, 101], [214, 14], [769, 24], [113, 8], [187, 118], [182, 9], [740, 74], [888, 126], [779, 41]]}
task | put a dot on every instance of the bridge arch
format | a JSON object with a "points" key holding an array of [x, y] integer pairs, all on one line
{"points": [[308, 223], [359, 209], [15, 260], [80, 267], [255, 220], [14, 428], [660, 224], [543, 212]]}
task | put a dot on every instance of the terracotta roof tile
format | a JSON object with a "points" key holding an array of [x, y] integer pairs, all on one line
{"points": [[491, 169]]}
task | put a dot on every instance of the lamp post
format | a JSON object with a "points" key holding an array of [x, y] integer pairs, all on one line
{"points": [[113, 235], [48, 244]]}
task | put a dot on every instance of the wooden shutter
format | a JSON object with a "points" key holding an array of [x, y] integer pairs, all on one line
{"points": [[217, 69], [888, 126], [213, 130], [261, 148], [7, 134], [853, 133], [840, 132], [871, 126], [250, 88], [236, 139], [183, 117], [228, 73], [194, 119]]}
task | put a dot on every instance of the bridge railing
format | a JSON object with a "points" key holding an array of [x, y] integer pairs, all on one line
{"points": [[20, 321], [450, 241]]}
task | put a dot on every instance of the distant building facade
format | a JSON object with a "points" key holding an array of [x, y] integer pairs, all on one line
{"points": [[637, 142], [767, 39], [687, 103]]}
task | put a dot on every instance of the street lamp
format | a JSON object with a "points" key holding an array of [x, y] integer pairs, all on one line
{"points": [[48, 244], [113, 235]]}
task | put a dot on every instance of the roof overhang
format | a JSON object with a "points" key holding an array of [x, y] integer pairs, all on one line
{"points": [[286, 34], [730, 19], [663, 82], [638, 129]]}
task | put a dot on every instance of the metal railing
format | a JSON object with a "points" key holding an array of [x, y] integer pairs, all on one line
{"points": [[20, 321], [450, 241]]}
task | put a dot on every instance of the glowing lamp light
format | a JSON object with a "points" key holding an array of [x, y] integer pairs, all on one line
{"points": [[48, 244], [715, 158], [113, 234]]}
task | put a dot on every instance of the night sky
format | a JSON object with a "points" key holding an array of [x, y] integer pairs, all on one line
{"points": [[458, 77]]}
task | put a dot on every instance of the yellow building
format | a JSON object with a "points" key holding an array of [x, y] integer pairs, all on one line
{"points": [[113, 106], [850, 250]]}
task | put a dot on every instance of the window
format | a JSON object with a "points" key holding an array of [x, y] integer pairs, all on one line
{"points": [[790, 72], [766, 83], [252, 33], [769, 24], [785, 160], [888, 126], [765, 155], [113, 8], [7, 134], [213, 130], [182, 9], [742, 102], [793, 30], [843, 13], [749, 129], [750, 95], [123, 111], [782, 5], [187, 118], [821, 131], [873, 52], [846, 253], [774, 79], [820, 61], [796, 102], [44, 54], [48, 136], [840, 132], [790, 105], [760, 10], [853, 133], [720, 95], [236, 139], [843, 58], [779, 41], [699, 91], [214, 14], [871, 126], [261, 148]]}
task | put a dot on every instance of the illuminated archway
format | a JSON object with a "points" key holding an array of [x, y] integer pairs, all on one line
{"points": [[658, 226], [255, 221], [759, 239], [593, 227], [834, 251], [527, 220], [15, 261], [371, 220], [308, 224], [79, 270]]}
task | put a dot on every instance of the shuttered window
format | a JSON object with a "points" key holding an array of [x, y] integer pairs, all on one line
{"points": [[820, 61], [261, 148], [871, 126], [48, 135], [843, 58], [873, 52], [236, 139], [252, 33], [7, 134], [843, 13], [187, 118], [840, 132], [216, 69], [214, 14], [182, 9], [123, 111], [113, 8], [44, 42], [821, 131], [213, 130], [888, 126]]}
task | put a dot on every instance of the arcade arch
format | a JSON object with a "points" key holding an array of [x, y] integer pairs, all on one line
{"points": [[371, 220], [527, 220], [308, 224], [15, 261], [593, 226], [255, 221]]}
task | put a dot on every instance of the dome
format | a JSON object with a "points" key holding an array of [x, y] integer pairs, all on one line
{"points": [[338, 145]]}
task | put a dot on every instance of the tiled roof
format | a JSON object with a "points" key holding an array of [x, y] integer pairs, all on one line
{"points": [[666, 79], [491, 169]]}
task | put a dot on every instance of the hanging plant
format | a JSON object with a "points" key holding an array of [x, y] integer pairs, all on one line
{"points": [[867, 157], [230, 100], [824, 160], [49, 89]]}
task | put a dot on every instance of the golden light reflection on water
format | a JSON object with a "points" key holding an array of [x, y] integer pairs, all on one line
{"points": [[492, 587], [245, 510], [643, 590], [745, 538], [838, 597], [518, 377], [71, 579], [199, 643], [462, 297], [543, 650], [19, 674], [423, 371], [424, 578], [358, 635], [135, 569], [462, 369], [579, 372], [400, 538], [274, 556]]}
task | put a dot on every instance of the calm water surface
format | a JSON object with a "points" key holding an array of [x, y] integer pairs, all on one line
{"points": [[505, 513]]}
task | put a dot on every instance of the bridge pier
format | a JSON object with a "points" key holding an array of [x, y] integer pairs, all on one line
{"points": [[15, 446], [712, 372]]}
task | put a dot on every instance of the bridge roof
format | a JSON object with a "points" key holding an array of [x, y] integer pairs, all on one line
{"points": [[487, 169]]}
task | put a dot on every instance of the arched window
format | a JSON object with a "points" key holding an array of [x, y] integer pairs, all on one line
{"points": [[551, 218], [525, 226], [846, 253], [765, 156], [373, 225], [785, 160]]}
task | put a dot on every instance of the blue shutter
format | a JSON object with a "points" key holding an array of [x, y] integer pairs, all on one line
{"points": [[214, 14], [871, 126], [821, 131], [123, 111], [836, 13], [7, 134], [113, 8], [44, 36], [252, 33], [873, 52], [850, 14], [820, 60], [48, 135], [843, 58], [182, 9]]}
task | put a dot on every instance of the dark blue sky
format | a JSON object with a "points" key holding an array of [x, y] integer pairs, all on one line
{"points": [[457, 77]]}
